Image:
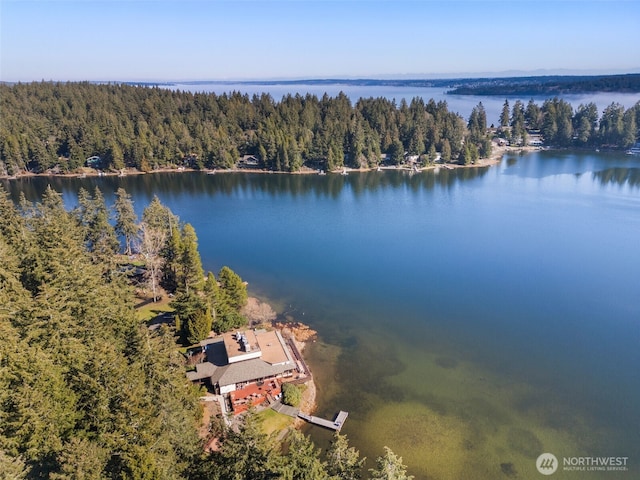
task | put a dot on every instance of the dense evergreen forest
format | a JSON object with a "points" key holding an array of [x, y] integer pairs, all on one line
{"points": [[57, 127], [87, 390]]}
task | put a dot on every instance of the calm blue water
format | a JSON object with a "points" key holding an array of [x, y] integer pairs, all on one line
{"points": [[468, 319]]}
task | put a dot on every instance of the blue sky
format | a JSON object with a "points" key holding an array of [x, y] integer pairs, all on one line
{"points": [[229, 40]]}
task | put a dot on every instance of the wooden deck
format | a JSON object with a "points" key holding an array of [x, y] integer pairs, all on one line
{"points": [[336, 424], [253, 394]]}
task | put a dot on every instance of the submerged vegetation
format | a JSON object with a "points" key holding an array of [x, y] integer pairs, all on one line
{"points": [[87, 390]]}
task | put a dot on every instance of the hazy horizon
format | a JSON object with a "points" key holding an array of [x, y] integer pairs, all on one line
{"points": [[221, 40], [355, 78]]}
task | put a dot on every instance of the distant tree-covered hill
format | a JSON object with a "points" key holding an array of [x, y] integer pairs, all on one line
{"points": [[60, 127], [47, 125], [548, 86]]}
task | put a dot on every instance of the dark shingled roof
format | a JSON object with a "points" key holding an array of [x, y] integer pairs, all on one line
{"points": [[247, 371], [203, 370], [223, 373]]}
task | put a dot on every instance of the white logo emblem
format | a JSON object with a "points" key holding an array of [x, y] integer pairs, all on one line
{"points": [[547, 464]]}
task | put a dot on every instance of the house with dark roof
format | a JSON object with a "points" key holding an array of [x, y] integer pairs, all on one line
{"points": [[248, 161], [93, 162], [237, 359]]}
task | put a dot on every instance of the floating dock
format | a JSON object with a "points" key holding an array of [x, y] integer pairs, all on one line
{"points": [[335, 424]]}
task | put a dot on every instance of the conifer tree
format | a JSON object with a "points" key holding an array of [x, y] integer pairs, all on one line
{"points": [[84, 392], [233, 287], [191, 273], [504, 115], [212, 294], [11, 222], [152, 242], [100, 236], [198, 326], [389, 467], [158, 216], [102, 239], [195, 316], [171, 254], [343, 461], [13, 468], [126, 219], [446, 151], [303, 459], [247, 453]]}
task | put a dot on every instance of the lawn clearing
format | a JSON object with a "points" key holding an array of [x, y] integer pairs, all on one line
{"points": [[273, 421]]}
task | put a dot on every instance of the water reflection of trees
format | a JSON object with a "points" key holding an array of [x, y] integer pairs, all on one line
{"points": [[618, 176], [197, 183]]}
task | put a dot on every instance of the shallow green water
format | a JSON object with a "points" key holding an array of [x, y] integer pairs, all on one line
{"points": [[469, 320]]}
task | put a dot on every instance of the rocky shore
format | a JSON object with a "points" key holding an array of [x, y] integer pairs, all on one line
{"points": [[261, 314]]}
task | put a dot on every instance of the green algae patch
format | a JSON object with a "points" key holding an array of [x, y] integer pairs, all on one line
{"points": [[456, 420], [324, 360], [446, 415], [429, 443], [524, 442]]}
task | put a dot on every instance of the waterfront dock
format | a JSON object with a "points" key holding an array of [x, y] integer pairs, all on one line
{"points": [[335, 424]]}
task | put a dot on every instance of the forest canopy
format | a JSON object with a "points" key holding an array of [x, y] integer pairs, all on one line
{"points": [[61, 127], [88, 391]]}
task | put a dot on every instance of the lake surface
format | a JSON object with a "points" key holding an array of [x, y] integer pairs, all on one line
{"points": [[461, 104], [470, 320]]}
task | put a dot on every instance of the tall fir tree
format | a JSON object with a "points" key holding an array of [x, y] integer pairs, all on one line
{"points": [[343, 461], [389, 467], [126, 219], [191, 274], [234, 287]]}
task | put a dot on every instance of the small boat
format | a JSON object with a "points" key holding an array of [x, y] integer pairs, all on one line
{"points": [[344, 172], [211, 172], [321, 172], [379, 169], [633, 151]]}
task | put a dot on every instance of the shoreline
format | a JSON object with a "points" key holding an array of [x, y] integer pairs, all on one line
{"points": [[261, 313], [494, 159]]}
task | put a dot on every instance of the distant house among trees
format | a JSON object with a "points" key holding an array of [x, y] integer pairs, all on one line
{"points": [[93, 162], [249, 161], [411, 159]]}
